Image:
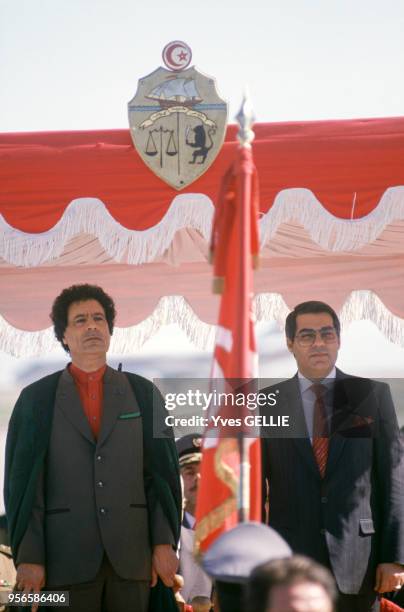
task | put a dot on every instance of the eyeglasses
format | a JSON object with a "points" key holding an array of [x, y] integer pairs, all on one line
{"points": [[307, 337]]}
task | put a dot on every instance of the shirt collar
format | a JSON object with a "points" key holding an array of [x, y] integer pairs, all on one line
{"points": [[306, 383], [85, 377], [191, 519]]}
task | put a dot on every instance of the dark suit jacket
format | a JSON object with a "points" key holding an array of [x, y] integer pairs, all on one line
{"points": [[352, 519], [69, 498]]}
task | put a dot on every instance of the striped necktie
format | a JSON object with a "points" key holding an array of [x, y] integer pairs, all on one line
{"points": [[320, 428]]}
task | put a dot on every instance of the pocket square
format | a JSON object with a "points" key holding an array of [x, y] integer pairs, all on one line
{"points": [[360, 421], [129, 415], [356, 423]]}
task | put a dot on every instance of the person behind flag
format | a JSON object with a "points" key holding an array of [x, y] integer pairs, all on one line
{"points": [[196, 581], [336, 482], [189, 449]]}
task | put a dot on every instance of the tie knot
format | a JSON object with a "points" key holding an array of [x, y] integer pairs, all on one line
{"points": [[319, 390]]}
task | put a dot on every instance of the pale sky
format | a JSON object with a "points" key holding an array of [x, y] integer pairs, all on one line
{"points": [[75, 65]]}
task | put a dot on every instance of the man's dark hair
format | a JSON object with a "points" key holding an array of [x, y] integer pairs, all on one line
{"points": [[312, 307], [286, 572], [79, 293], [230, 596]]}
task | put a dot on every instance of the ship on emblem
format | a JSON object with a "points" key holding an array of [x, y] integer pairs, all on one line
{"points": [[177, 120], [176, 91]]}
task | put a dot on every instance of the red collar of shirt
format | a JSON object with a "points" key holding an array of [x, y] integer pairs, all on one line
{"points": [[85, 377], [90, 388]]}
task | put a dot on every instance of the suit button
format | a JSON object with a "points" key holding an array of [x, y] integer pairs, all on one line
{"points": [[324, 500], [100, 484], [99, 457], [103, 511], [322, 531]]}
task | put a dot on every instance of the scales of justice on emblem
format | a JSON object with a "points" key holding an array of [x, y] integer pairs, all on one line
{"points": [[177, 119]]}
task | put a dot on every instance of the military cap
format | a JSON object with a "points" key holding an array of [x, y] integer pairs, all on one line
{"points": [[233, 556], [189, 449]]}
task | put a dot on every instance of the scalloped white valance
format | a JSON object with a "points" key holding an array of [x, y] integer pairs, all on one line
{"points": [[83, 207]]}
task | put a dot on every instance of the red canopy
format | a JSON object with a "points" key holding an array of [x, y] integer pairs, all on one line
{"points": [[83, 207]]}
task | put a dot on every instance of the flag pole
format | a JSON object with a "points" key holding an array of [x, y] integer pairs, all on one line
{"points": [[245, 119]]}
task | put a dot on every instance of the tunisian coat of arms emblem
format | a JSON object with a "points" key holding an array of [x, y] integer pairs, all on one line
{"points": [[177, 119]]}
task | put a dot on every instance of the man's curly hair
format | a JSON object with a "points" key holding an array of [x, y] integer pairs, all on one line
{"points": [[79, 293]]}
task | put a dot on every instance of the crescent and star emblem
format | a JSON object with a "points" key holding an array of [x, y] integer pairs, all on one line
{"points": [[177, 55]]}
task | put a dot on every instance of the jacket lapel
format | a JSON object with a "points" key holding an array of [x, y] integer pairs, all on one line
{"points": [[115, 398], [68, 400], [341, 409]]}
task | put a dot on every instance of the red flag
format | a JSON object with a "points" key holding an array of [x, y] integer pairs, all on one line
{"points": [[235, 246]]}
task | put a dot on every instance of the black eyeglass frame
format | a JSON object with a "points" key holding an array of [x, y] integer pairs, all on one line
{"points": [[328, 335]]}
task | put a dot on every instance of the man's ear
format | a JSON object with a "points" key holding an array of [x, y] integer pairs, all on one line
{"points": [[289, 344]]}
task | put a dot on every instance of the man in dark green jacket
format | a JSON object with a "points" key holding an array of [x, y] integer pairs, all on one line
{"points": [[92, 497]]}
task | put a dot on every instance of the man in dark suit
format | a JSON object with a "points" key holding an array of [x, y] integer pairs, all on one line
{"points": [[336, 475], [92, 497]]}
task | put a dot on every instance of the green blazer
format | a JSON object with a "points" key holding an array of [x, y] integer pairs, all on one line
{"points": [[26, 447]]}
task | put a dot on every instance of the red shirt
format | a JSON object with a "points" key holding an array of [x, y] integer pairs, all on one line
{"points": [[90, 388]]}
